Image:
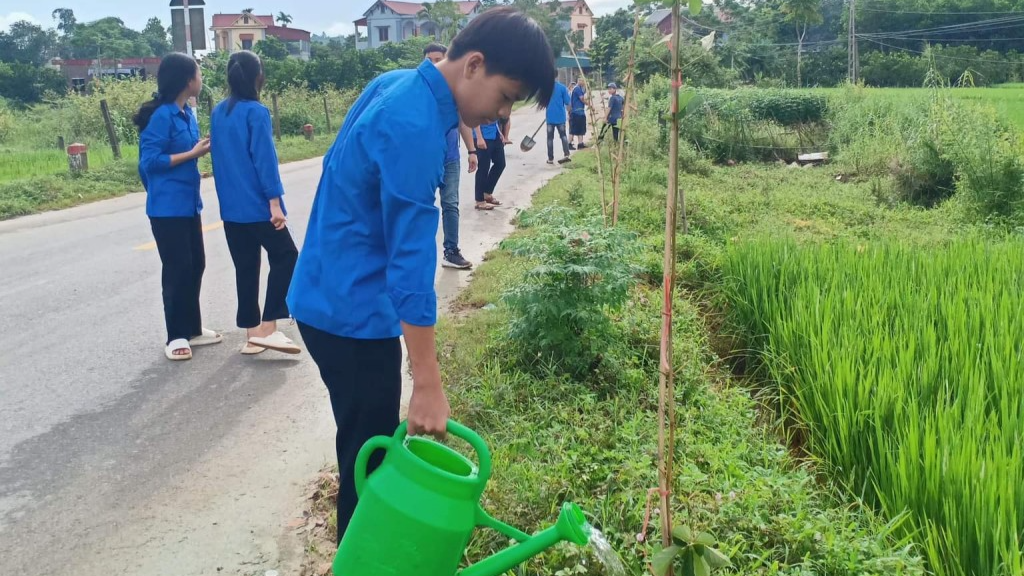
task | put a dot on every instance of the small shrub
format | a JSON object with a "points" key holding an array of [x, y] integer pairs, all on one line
{"points": [[560, 310]]}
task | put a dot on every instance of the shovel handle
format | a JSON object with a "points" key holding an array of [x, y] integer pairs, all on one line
{"points": [[537, 131]]}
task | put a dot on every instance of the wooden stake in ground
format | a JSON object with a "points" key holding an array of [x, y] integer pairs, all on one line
{"points": [[593, 122], [620, 157], [115, 146], [277, 118], [666, 396]]}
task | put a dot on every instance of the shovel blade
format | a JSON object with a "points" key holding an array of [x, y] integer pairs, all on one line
{"points": [[527, 144]]}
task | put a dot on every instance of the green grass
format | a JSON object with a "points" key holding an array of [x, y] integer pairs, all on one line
{"points": [[108, 179], [557, 439], [1007, 99], [905, 368], [18, 164]]}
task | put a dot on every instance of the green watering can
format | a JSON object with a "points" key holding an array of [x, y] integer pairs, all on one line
{"points": [[418, 510]]}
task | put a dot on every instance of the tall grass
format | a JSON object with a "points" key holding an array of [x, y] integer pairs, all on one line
{"points": [[905, 369]]}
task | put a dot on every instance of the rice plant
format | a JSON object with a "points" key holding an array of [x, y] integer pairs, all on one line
{"points": [[904, 369]]}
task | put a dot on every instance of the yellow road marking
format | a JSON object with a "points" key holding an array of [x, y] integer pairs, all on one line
{"points": [[207, 228]]}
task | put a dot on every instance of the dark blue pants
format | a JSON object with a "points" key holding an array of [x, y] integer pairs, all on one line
{"points": [[491, 165]]}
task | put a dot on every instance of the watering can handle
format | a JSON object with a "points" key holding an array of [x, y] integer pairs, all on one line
{"points": [[483, 453], [363, 459]]}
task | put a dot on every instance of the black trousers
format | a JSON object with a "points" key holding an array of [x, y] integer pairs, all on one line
{"points": [[491, 164], [551, 140], [180, 244], [364, 379], [244, 243]]}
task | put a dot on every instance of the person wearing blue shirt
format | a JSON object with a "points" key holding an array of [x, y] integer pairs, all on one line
{"points": [[556, 115], [365, 274], [578, 115], [249, 188], [490, 140], [450, 183], [615, 105], [169, 152]]}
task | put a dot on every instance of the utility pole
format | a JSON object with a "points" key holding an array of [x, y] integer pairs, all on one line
{"points": [[188, 30], [853, 58]]}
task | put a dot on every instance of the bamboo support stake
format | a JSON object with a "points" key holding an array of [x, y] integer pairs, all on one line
{"points": [[620, 156], [666, 396], [593, 122]]}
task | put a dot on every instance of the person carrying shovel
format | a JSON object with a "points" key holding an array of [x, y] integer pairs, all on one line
{"points": [[556, 115]]}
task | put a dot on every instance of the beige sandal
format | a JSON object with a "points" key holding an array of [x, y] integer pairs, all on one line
{"points": [[250, 350], [277, 341], [175, 345], [484, 206]]}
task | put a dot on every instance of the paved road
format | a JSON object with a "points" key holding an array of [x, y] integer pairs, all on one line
{"points": [[114, 460]]}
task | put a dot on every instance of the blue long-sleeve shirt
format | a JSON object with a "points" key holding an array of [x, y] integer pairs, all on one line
{"points": [[369, 258], [556, 107], [244, 161], [487, 131], [452, 154], [170, 191]]}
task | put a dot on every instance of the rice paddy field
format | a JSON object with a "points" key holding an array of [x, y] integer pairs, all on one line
{"points": [[1006, 99], [904, 368]]}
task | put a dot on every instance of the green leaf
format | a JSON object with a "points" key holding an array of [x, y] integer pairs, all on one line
{"points": [[695, 6], [716, 559], [705, 539], [700, 566], [662, 561], [683, 534]]}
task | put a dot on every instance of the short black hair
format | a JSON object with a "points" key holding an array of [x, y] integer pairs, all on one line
{"points": [[435, 47], [513, 45]]}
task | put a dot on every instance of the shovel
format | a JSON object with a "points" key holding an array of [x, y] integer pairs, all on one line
{"points": [[529, 142]]}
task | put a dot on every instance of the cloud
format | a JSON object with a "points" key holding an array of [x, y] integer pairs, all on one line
{"points": [[339, 29], [7, 19]]}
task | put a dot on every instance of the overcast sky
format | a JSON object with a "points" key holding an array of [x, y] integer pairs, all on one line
{"points": [[332, 16]]}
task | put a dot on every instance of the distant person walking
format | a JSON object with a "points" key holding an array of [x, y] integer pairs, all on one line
{"points": [[169, 152], [615, 105], [578, 115], [245, 170], [556, 115], [449, 190]]}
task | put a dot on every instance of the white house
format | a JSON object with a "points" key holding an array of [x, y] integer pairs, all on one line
{"points": [[390, 21]]}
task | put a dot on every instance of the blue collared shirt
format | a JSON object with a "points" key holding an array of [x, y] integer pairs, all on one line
{"points": [[453, 146], [615, 105], [170, 191], [244, 161], [488, 131], [577, 101], [557, 105], [369, 258]]}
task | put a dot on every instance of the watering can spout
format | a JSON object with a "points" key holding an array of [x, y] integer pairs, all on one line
{"points": [[571, 526]]}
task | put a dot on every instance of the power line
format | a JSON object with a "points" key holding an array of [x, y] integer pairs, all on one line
{"points": [[992, 24], [938, 56], [937, 13]]}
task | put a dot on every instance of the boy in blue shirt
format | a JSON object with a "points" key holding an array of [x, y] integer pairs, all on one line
{"points": [[578, 116], [365, 275], [615, 106], [556, 115]]}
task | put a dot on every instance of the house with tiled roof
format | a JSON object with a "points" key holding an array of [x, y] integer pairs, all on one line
{"points": [[392, 21], [233, 32]]}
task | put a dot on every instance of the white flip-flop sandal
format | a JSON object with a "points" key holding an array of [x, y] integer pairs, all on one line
{"points": [[206, 338], [250, 350], [179, 344], [277, 341]]}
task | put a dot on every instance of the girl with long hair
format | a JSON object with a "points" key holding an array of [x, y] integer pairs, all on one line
{"points": [[251, 205], [169, 152]]}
